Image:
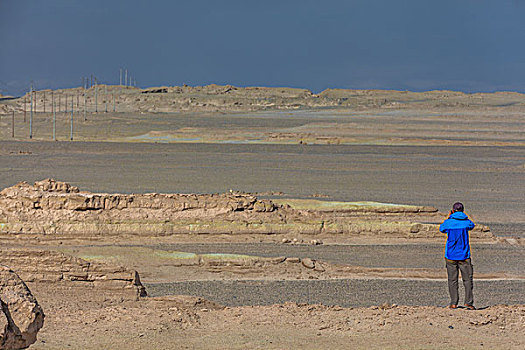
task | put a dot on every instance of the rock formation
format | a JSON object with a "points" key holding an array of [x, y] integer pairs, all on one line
{"points": [[21, 317], [54, 207], [46, 266]]}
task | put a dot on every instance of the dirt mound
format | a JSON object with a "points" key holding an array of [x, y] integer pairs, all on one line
{"points": [[21, 317]]}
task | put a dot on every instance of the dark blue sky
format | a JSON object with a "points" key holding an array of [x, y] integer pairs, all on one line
{"points": [[468, 45]]}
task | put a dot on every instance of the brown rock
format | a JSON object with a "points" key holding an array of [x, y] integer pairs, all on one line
{"points": [[308, 263], [319, 268], [21, 317]]}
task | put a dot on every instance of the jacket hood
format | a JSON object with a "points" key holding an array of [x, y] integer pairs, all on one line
{"points": [[459, 216]]}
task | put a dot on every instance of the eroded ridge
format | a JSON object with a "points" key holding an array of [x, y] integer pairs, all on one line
{"points": [[62, 270], [54, 207]]}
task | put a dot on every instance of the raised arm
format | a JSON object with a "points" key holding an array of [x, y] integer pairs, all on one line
{"points": [[443, 227]]}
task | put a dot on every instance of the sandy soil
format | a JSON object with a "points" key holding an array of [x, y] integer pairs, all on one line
{"points": [[187, 323]]}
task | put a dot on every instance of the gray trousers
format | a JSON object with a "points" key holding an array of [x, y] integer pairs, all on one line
{"points": [[467, 272]]}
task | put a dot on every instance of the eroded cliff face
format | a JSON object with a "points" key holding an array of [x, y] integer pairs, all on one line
{"points": [[57, 208]]}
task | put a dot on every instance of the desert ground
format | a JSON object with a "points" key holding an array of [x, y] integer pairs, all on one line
{"points": [[231, 218]]}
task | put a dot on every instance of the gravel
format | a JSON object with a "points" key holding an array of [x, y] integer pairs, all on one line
{"points": [[343, 292]]}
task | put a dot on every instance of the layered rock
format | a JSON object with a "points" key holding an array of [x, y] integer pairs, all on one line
{"points": [[21, 317], [43, 266], [54, 207]]}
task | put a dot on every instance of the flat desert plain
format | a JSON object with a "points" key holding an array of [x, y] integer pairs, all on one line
{"points": [[264, 217]]}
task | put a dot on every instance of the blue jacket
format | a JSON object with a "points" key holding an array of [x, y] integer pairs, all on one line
{"points": [[456, 227]]}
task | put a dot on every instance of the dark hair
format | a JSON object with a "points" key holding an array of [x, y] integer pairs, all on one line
{"points": [[458, 206]]}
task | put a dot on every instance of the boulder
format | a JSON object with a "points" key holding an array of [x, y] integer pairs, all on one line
{"points": [[21, 317]]}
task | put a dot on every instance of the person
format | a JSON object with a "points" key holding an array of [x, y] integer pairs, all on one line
{"points": [[457, 255]]}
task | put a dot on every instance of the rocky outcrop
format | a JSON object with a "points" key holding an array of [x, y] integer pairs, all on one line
{"points": [[43, 266], [54, 207], [21, 317]]}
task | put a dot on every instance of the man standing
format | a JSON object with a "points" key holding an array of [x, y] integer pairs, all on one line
{"points": [[457, 255]]}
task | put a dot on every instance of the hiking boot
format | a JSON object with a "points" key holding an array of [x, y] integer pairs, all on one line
{"points": [[452, 306], [470, 307]]}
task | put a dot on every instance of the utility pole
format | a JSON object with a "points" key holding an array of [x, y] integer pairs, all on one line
{"points": [[44, 101], [96, 97], [13, 125], [85, 104], [120, 76], [71, 121], [126, 77], [106, 96], [31, 114], [25, 103], [54, 121]]}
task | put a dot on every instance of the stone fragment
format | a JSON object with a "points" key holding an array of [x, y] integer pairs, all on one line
{"points": [[308, 263], [319, 268]]}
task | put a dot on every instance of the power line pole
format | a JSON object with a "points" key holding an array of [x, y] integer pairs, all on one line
{"points": [[13, 125], [54, 121], [31, 114], [85, 104], [96, 97], [106, 96], [120, 76], [126, 77], [25, 105], [71, 121]]}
